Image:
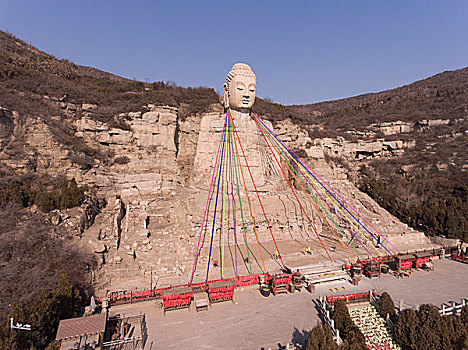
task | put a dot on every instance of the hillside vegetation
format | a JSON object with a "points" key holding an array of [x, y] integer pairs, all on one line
{"points": [[442, 96], [427, 186], [28, 74]]}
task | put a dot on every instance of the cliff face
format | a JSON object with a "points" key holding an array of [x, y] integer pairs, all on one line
{"points": [[144, 161], [159, 167], [140, 161]]}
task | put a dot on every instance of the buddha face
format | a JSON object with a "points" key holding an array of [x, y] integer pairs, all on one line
{"points": [[242, 92], [239, 87]]}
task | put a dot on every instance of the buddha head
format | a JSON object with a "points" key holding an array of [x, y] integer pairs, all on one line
{"points": [[239, 88]]}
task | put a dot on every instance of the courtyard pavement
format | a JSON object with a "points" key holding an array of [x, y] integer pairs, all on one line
{"points": [[256, 322]]}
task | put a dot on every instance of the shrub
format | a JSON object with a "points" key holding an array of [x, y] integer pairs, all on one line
{"points": [[41, 277], [44, 314], [47, 193], [427, 329], [300, 152], [121, 160], [464, 315], [438, 205], [406, 330]]}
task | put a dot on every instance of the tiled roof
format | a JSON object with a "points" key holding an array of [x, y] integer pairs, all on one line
{"points": [[75, 327]]}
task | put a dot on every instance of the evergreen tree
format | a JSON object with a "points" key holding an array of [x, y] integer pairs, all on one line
{"points": [[75, 194], [70, 194], [44, 319], [406, 330], [386, 306], [64, 197], [18, 339], [434, 334], [44, 314], [16, 193], [43, 200], [340, 314], [464, 315], [353, 346], [321, 338], [69, 300], [348, 330]]}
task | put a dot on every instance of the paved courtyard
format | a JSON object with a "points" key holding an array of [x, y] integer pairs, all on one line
{"points": [[255, 322], [448, 282], [251, 322]]}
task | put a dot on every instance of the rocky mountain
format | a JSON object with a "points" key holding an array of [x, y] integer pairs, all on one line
{"points": [[139, 157], [407, 148]]}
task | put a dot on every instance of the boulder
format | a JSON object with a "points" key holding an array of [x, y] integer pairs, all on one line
{"points": [[100, 248], [88, 106]]}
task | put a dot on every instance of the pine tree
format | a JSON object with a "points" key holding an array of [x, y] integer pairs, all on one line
{"points": [[348, 330], [386, 306], [321, 338], [75, 194], [69, 300], [44, 319], [18, 339], [406, 330], [434, 334], [43, 200], [464, 315], [64, 197]]}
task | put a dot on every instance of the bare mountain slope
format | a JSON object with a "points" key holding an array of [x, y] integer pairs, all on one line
{"points": [[443, 95], [409, 148]]}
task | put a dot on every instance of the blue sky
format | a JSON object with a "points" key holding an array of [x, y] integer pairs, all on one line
{"points": [[301, 51]]}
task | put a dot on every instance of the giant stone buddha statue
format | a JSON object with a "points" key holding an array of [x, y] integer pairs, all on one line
{"points": [[239, 91]]}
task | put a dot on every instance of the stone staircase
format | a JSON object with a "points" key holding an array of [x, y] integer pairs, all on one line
{"points": [[373, 327], [323, 273]]}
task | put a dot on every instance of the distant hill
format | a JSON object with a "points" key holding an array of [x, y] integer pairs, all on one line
{"points": [[28, 74], [443, 95]]}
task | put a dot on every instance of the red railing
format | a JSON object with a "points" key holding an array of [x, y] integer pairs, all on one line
{"points": [[156, 293], [402, 264], [421, 261], [243, 281], [282, 279], [349, 297], [459, 257], [406, 264], [362, 263]]}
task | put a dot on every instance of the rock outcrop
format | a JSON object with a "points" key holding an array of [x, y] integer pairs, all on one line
{"points": [[160, 167], [6, 127], [144, 160]]}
